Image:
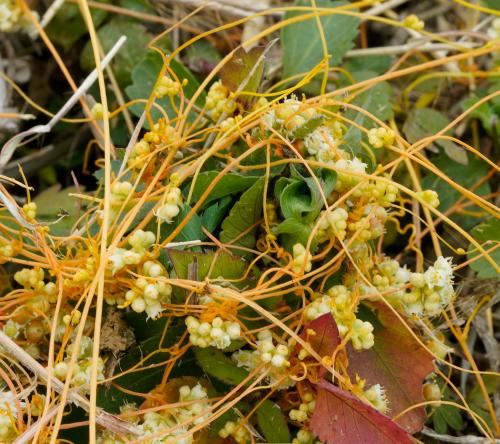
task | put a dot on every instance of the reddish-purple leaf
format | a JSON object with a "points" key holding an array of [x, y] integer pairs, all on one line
{"points": [[323, 335], [341, 418], [399, 364]]}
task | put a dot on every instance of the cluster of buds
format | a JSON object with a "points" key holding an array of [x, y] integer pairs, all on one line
{"points": [[45, 292], [168, 87], [120, 192], [219, 101], [430, 197], [301, 259], [274, 356], [13, 18], [150, 291], [332, 224], [432, 291], [322, 143], [170, 208], [140, 241], [8, 249], [304, 436], [429, 293], [413, 22], [380, 137], [371, 225], [155, 421], [218, 333], [342, 304], [236, 430], [29, 211], [33, 331], [82, 370], [198, 397], [305, 409], [230, 122], [139, 154], [162, 134], [290, 116], [349, 173]]}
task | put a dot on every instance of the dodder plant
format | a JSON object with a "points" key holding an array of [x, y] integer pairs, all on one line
{"points": [[243, 239]]}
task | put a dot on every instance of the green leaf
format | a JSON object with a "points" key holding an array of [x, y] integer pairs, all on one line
{"points": [[424, 122], [144, 77], [308, 127], [217, 364], [214, 214], [300, 198], [137, 5], [244, 70], [219, 264], [52, 203], [302, 48], [374, 64], [130, 54], [488, 113], [272, 423], [447, 416], [145, 379], [244, 214], [377, 101], [231, 183], [466, 176], [493, 4], [191, 231], [294, 231], [67, 26], [488, 235]]}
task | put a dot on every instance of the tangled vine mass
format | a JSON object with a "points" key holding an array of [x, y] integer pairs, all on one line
{"points": [[270, 255]]}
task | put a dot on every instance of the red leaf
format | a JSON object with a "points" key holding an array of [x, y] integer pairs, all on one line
{"points": [[398, 363], [327, 338], [341, 418]]}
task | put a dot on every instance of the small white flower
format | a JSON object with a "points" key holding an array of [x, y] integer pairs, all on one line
{"points": [[8, 403]]}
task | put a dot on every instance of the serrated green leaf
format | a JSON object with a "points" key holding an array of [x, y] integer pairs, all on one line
{"points": [[424, 122], [302, 48], [488, 235], [217, 364], [128, 57], [144, 77], [244, 214], [447, 416], [272, 423]]}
